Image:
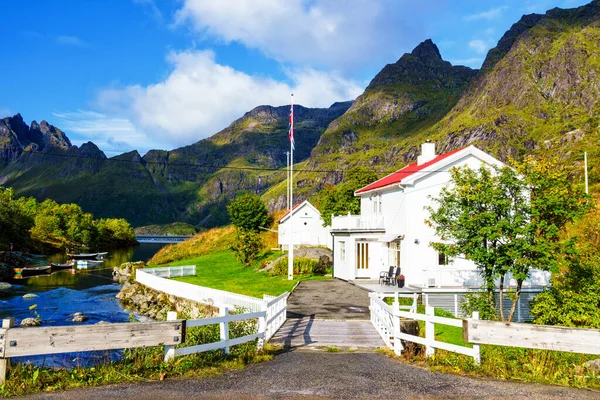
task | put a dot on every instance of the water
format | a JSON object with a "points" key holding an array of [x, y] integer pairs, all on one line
{"points": [[61, 294]]}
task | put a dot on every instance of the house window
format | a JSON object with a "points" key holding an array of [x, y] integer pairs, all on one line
{"points": [[394, 253], [442, 258], [342, 246]]}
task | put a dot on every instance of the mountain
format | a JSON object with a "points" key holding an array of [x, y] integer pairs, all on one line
{"points": [[190, 184], [538, 92]]}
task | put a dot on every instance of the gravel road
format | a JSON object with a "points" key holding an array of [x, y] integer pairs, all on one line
{"points": [[317, 375]]}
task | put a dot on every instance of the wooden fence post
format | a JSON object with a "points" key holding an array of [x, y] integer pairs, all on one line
{"points": [[170, 349], [396, 327], [429, 333], [476, 349], [224, 326], [262, 325], [7, 323]]}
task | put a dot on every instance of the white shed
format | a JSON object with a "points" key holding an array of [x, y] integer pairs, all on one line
{"points": [[308, 227]]}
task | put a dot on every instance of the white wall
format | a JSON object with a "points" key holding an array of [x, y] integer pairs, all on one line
{"points": [[308, 229]]}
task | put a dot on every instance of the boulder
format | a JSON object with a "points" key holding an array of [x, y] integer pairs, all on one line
{"points": [[593, 365], [30, 296], [31, 322], [79, 317]]}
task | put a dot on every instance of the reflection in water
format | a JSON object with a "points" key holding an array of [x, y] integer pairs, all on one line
{"points": [[61, 294]]}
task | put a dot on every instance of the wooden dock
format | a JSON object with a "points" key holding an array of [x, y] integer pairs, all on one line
{"points": [[308, 332]]}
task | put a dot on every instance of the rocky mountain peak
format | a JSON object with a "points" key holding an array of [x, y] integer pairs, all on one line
{"points": [[427, 49]]}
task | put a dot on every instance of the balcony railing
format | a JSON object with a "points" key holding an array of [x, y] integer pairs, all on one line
{"points": [[357, 222]]}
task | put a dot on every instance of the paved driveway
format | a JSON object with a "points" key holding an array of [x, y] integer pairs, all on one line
{"points": [[319, 375], [330, 299]]}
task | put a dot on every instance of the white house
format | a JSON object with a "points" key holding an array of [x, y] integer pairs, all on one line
{"points": [[307, 225], [391, 228]]}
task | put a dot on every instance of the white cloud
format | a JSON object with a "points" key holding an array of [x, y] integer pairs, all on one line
{"points": [[488, 15], [70, 41], [114, 135], [480, 46], [151, 9], [470, 62], [201, 97], [314, 32]]}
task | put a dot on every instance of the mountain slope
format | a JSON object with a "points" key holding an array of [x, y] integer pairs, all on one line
{"points": [[537, 92], [191, 183]]}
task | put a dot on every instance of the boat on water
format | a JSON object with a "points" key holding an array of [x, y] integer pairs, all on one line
{"points": [[88, 263], [88, 256], [33, 271], [58, 267]]}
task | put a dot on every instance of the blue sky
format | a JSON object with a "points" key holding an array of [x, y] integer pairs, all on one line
{"points": [[142, 74]]}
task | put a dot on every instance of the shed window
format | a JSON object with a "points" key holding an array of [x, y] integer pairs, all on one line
{"points": [[342, 251]]}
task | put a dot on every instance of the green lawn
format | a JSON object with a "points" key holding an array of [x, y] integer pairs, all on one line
{"points": [[222, 271]]}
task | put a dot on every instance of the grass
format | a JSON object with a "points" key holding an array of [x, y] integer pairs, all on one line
{"points": [[502, 362], [142, 365], [221, 270]]}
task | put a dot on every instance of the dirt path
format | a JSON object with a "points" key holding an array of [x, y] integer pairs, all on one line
{"points": [[318, 375]]}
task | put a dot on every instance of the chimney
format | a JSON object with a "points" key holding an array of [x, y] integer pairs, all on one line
{"points": [[427, 153]]}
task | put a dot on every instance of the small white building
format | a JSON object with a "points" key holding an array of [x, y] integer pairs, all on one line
{"points": [[307, 225], [391, 228]]}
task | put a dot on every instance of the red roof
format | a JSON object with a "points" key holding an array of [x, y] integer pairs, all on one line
{"points": [[288, 213], [398, 176]]}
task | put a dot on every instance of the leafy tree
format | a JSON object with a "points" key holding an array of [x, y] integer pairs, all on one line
{"points": [[247, 246], [508, 221], [340, 199], [248, 212], [15, 222]]}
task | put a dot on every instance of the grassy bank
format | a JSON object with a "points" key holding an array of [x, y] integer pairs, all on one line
{"points": [[221, 270]]}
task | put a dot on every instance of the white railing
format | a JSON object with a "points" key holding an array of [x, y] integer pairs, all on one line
{"points": [[200, 294], [275, 313], [356, 222], [464, 277], [386, 320], [172, 272]]}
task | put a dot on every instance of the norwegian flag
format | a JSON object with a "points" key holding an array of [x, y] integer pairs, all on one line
{"points": [[291, 131]]}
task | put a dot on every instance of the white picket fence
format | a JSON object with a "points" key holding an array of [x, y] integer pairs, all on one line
{"points": [[270, 319], [200, 294], [386, 320], [172, 272]]}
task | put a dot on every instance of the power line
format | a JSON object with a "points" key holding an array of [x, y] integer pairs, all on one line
{"points": [[216, 167]]}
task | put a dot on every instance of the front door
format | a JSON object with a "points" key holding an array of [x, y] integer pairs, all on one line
{"points": [[362, 260]]}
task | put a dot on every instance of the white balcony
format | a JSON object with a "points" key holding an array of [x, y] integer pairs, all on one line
{"points": [[357, 222]]}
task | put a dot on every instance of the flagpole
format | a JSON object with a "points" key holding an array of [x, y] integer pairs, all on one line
{"points": [[291, 243]]}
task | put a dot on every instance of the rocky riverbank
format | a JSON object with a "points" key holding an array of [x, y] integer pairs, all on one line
{"points": [[152, 303]]}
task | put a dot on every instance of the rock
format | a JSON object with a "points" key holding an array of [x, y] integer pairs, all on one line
{"points": [[31, 322], [102, 323], [314, 253], [4, 285], [79, 317], [593, 365], [30, 296]]}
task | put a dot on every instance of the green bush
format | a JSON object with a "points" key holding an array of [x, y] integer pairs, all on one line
{"points": [[479, 302], [302, 266], [247, 246]]}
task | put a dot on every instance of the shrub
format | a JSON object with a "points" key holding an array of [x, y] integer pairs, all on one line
{"points": [[479, 302], [302, 266], [247, 246]]}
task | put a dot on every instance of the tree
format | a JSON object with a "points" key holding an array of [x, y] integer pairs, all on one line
{"points": [[508, 221], [247, 246], [15, 222], [248, 212], [340, 199]]}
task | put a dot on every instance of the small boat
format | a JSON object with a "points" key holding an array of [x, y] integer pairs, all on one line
{"points": [[88, 263], [101, 256], [58, 267], [32, 271], [83, 256]]}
